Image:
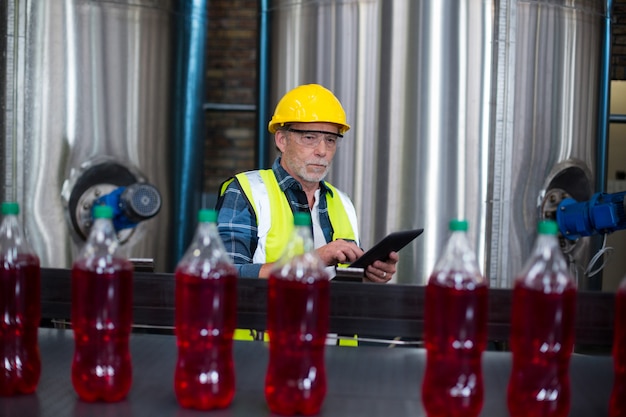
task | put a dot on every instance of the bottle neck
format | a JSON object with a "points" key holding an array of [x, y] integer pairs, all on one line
{"points": [[11, 229], [302, 240], [459, 252], [547, 247], [299, 260], [206, 234], [102, 239], [546, 269], [12, 238], [206, 245], [458, 264]]}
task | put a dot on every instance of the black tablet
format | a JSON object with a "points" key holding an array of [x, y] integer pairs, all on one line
{"points": [[392, 242]]}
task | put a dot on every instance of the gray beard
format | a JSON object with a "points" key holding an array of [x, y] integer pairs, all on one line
{"points": [[309, 178]]}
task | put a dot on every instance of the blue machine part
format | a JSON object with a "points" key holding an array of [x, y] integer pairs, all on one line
{"points": [[603, 213], [132, 205]]}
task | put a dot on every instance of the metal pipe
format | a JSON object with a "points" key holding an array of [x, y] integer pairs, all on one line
{"points": [[617, 118], [605, 99], [595, 283], [187, 121], [228, 107], [263, 72]]}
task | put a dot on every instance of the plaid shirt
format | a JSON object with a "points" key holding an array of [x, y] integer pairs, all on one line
{"points": [[237, 225]]}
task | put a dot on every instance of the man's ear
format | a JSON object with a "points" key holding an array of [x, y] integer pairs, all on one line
{"points": [[280, 139]]}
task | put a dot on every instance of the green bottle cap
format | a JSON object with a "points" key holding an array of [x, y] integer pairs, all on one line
{"points": [[548, 227], [103, 212], [10, 207], [302, 218], [207, 216], [458, 225]]}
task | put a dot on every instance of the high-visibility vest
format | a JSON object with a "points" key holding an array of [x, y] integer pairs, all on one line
{"points": [[275, 223], [275, 218]]}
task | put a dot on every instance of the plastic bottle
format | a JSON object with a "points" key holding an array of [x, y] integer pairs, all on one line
{"points": [[455, 330], [542, 330], [102, 292], [206, 316], [20, 306], [297, 322], [617, 404]]}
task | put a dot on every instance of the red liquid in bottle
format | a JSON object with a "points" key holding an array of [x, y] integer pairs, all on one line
{"points": [[455, 335], [298, 315], [206, 316], [102, 320], [20, 306], [539, 384], [617, 405]]}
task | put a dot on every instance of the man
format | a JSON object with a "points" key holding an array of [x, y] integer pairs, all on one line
{"points": [[256, 208]]}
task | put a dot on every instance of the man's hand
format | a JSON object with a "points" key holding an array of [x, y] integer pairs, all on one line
{"points": [[339, 252], [382, 271]]}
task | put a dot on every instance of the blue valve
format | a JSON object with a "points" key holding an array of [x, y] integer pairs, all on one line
{"points": [[603, 213], [132, 204]]}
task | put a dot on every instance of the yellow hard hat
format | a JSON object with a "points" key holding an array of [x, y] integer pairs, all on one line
{"points": [[309, 103]]}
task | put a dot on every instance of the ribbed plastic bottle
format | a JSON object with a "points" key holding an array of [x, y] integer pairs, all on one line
{"points": [[102, 301], [206, 316], [20, 306], [455, 330], [542, 330], [617, 404], [297, 322]]}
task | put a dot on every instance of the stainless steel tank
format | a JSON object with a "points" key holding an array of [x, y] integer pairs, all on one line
{"points": [[87, 107], [549, 99], [466, 109]]}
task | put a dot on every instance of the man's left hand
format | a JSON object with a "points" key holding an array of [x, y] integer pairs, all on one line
{"points": [[382, 271]]}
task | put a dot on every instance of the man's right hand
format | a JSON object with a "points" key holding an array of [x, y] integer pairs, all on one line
{"points": [[333, 253], [339, 252]]}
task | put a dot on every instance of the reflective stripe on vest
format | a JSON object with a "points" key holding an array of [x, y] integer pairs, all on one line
{"points": [[275, 218]]}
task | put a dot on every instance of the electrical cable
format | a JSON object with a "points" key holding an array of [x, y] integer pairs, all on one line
{"points": [[604, 250]]}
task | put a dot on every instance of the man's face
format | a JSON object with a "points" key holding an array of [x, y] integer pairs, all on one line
{"points": [[308, 150]]}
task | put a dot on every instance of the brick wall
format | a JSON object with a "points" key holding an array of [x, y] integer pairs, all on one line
{"points": [[618, 47], [231, 80]]}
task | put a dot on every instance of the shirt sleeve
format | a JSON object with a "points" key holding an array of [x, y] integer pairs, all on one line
{"points": [[237, 227]]}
